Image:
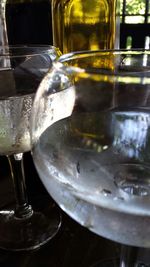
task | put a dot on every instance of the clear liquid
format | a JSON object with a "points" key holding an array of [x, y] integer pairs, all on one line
{"points": [[17, 88], [96, 166], [14, 124]]}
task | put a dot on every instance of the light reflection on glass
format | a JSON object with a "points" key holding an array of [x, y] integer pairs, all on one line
{"points": [[130, 132]]}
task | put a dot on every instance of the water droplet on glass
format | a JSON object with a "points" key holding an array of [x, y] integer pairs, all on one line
{"points": [[119, 198], [106, 192], [56, 174], [78, 167], [55, 155]]}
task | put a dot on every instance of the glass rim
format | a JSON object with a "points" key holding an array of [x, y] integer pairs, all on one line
{"points": [[133, 74], [89, 53], [29, 50]]}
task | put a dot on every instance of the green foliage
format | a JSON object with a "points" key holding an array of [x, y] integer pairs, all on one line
{"points": [[134, 6]]}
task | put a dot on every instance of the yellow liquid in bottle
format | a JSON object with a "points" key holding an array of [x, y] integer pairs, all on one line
{"points": [[84, 24]]}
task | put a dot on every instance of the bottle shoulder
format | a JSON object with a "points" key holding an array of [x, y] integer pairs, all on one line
{"points": [[88, 6]]}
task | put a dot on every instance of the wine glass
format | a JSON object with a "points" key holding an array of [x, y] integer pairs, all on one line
{"points": [[90, 128], [21, 71]]}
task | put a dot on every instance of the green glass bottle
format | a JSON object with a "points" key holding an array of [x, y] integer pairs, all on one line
{"points": [[84, 24]]}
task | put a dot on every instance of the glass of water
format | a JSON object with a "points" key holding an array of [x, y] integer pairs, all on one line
{"points": [[91, 141], [21, 71]]}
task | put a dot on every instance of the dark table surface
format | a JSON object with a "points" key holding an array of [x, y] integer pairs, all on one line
{"points": [[73, 246]]}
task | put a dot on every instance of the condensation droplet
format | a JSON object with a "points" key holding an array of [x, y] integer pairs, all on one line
{"points": [[78, 167], [55, 155], [118, 198], [106, 192]]}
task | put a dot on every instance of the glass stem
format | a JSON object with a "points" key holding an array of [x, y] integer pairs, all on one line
{"points": [[23, 209], [128, 257]]}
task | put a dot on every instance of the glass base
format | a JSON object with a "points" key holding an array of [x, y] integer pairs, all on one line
{"points": [[29, 233]]}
